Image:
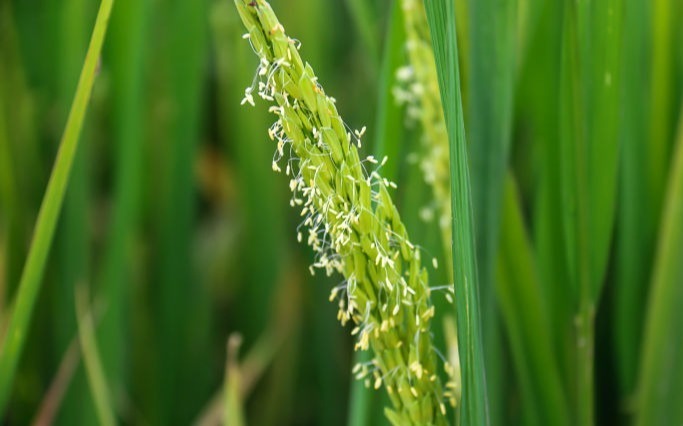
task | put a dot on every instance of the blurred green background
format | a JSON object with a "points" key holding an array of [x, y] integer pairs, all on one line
{"points": [[173, 216], [183, 235]]}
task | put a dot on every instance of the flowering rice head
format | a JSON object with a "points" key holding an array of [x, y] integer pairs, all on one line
{"points": [[351, 223]]}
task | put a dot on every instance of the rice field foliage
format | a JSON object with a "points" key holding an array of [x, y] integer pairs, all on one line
{"points": [[490, 193]]}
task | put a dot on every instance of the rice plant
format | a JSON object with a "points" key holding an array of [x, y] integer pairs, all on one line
{"points": [[419, 212]]}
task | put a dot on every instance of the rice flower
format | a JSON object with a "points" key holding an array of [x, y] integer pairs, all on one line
{"points": [[351, 223]]}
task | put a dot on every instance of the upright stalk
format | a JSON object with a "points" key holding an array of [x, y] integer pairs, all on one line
{"points": [[32, 275]]}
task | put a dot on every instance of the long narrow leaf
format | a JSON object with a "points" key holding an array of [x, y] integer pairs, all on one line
{"points": [[92, 361], [574, 184], [541, 70], [590, 96], [7, 185], [127, 51], [662, 114], [474, 405], [233, 404], [635, 239], [31, 279], [525, 315], [388, 134], [491, 75], [363, 17], [661, 378], [72, 248], [604, 89], [182, 338]]}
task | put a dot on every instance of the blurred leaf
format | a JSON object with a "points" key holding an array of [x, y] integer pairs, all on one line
{"points": [[525, 315], [71, 257], [54, 396], [364, 18], [92, 361], [635, 239], [233, 414], [491, 64], [7, 197], [662, 107], [538, 105], [31, 280], [574, 183], [180, 319], [389, 131], [604, 88], [246, 132], [661, 375], [126, 53], [590, 96]]}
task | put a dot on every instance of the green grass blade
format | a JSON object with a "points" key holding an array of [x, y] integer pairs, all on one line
{"points": [[7, 185], [474, 405], [662, 106], [661, 375], [7, 197], [182, 338], [364, 18], [491, 76], [49, 212], [71, 257], [590, 94], [538, 105], [525, 314], [22, 143], [604, 122], [574, 184], [388, 133], [264, 223], [91, 359], [635, 239], [233, 411], [127, 49]]}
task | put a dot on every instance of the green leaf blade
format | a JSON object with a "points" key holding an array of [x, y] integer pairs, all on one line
{"points": [[474, 404], [661, 379], [491, 75], [525, 315], [32, 275]]}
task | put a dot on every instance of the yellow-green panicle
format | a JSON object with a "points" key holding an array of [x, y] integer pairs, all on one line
{"points": [[352, 224]]}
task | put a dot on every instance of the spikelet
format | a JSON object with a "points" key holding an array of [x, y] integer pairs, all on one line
{"points": [[352, 225]]}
